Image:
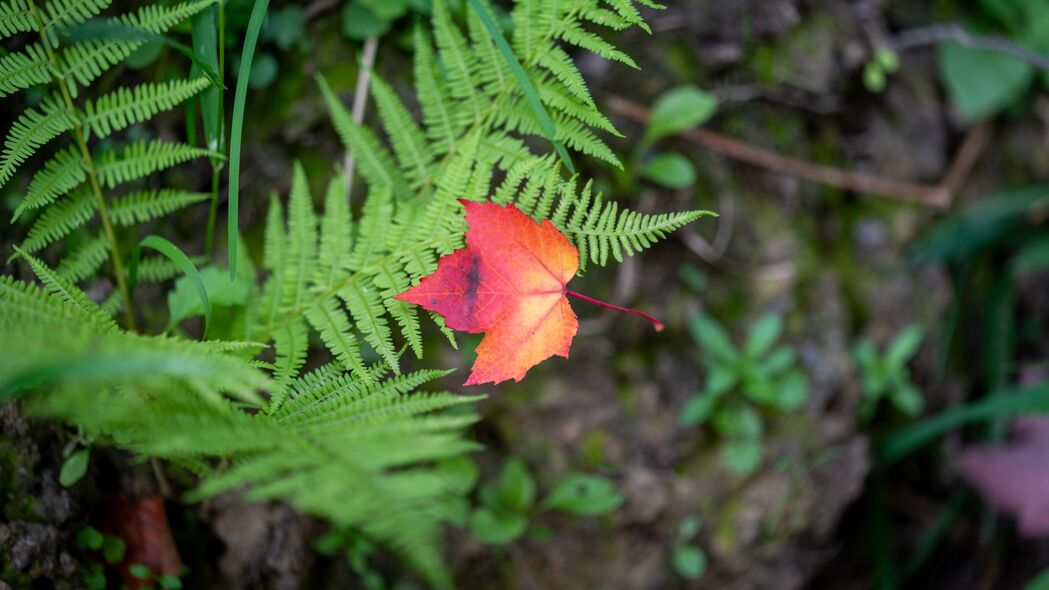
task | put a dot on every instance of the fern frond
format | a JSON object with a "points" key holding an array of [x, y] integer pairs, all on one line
{"points": [[157, 270], [27, 310], [459, 60], [570, 106], [23, 69], [65, 290], [32, 129], [336, 234], [61, 13], [443, 122], [59, 220], [142, 158], [366, 307], [85, 260], [331, 323], [127, 106], [598, 229], [373, 160], [300, 250], [86, 60], [15, 17], [493, 69], [377, 215], [573, 33], [409, 144], [142, 206], [61, 174], [290, 343], [560, 64]]}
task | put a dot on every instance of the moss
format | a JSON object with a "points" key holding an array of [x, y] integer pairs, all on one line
{"points": [[19, 502]]}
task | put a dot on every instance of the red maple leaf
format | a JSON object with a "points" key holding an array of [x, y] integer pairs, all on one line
{"points": [[510, 283]]}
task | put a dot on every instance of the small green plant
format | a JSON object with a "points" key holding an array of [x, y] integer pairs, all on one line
{"points": [[90, 540], [508, 505], [886, 376], [742, 382], [687, 558], [675, 111], [153, 580], [883, 63]]}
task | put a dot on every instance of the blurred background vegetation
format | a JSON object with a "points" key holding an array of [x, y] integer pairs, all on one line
{"points": [[857, 348]]}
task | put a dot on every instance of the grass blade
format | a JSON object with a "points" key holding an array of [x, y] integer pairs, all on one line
{"points": [[523, 81], [1004, 404], [251, 37], [176, 255]]}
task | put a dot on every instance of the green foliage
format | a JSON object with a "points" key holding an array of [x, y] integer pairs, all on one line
{"points": [[982, 82], [472, 119], [688, 560], [67, 189], [508, 505], [670, 169], [886, 376], [677, 110], [740, 383], [74, 467], [283, 433], [182, 400], [883, 63]]}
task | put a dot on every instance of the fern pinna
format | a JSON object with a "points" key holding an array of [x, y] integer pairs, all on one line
{"points": [[76, 184]]}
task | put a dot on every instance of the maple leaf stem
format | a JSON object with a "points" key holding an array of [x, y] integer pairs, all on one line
{"points": [[655, 323]]}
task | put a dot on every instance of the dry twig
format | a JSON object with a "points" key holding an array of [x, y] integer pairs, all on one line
{"points": [[939, 195]]}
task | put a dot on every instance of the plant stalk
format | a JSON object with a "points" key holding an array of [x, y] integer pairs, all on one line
{"points": [[658, 325], [89, 164]]}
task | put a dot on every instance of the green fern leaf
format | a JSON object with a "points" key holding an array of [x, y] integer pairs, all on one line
{"points": [[62, 13], [300, 242], [368, 313], [23, 69], [494, 71], [560, 64], [331, 323], [32, 129], [61, 174], [409, 145], [336, 241], [376, 218], [127, 106], [290, 343], [459, 60], [391, 280], [158, 269], [142, 206], [574, 34], [85, 261], [442, 120], [372, 159], [68, 292], [59, 220], [86, 60], [142, 158], [15, 17]]}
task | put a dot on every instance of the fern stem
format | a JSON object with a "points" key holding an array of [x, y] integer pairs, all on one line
{"points": [[89, 164], [658, 325]]}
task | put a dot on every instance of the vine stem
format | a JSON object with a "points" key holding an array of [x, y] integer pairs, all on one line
{"points": [[658, 325], [89, 164]]}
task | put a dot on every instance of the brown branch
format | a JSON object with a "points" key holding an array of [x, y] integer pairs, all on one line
{"points": [[939, 196]]}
